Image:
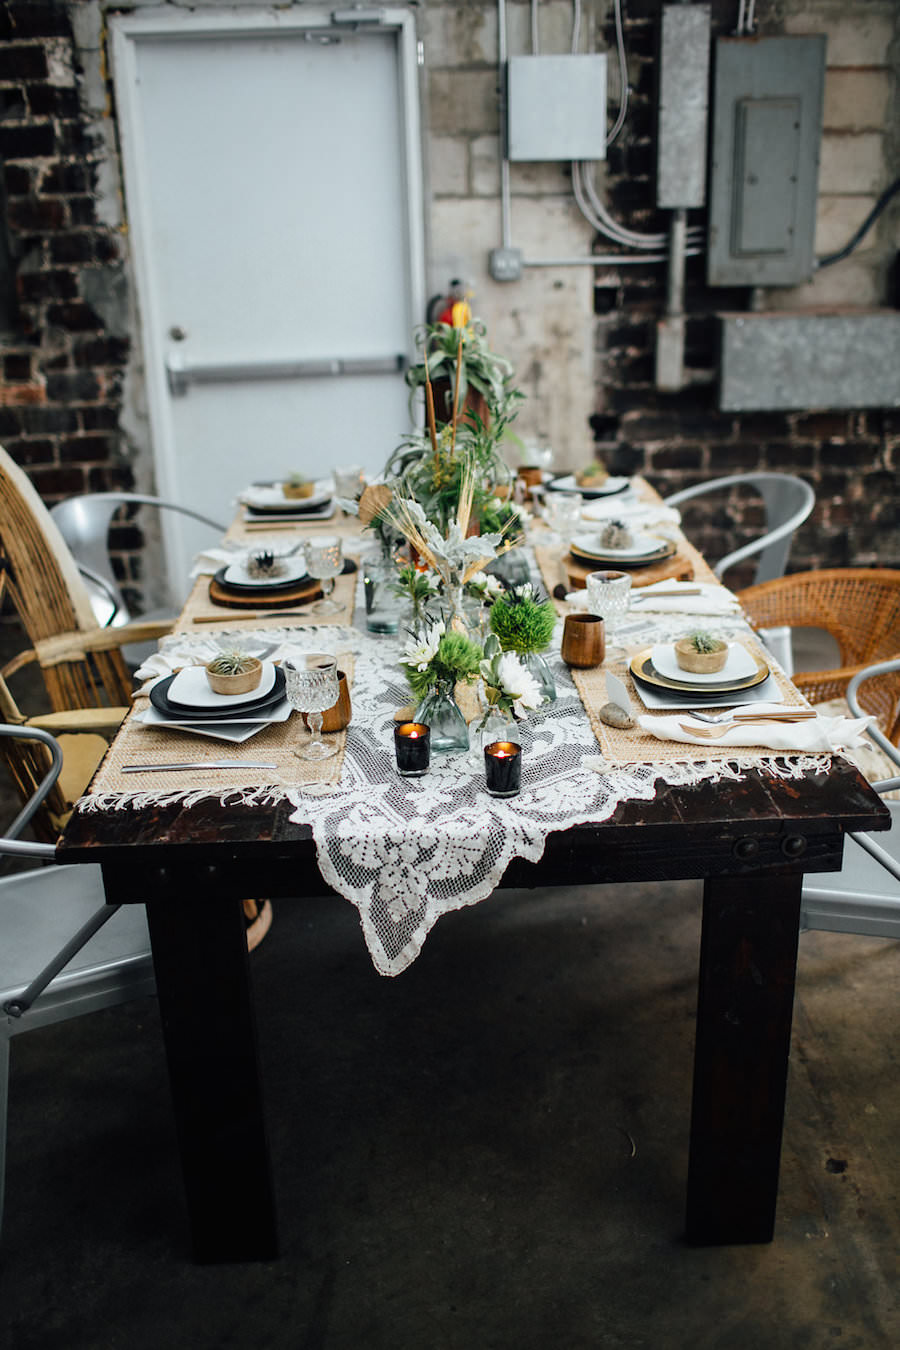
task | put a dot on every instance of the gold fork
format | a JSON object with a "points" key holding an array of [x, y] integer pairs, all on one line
{"points": [[713, 733]]}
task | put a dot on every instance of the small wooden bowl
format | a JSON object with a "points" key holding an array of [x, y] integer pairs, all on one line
{"points": [[700, 663], [236, 684], [295, 491]]}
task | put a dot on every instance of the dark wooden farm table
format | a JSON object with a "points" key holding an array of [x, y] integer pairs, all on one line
{"points": [[749, 841]]}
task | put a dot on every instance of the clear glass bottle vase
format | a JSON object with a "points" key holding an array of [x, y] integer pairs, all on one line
{"points": [[440, 711], [535, 663], [498, 726], [384, 608]]}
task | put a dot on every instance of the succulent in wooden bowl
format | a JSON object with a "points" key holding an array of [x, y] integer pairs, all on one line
{"points": [[297, 485], [233, 672], [701, 653]]}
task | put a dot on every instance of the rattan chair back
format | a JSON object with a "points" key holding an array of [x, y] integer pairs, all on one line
{"points": [[860, 608], [81, 667]]}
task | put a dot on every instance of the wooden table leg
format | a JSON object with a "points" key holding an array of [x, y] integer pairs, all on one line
{"points": [[748, 958], [203, 980]]}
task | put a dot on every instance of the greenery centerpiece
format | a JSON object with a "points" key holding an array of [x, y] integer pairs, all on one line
{"points": [[434, 661], [510, 692], [523, 621]]}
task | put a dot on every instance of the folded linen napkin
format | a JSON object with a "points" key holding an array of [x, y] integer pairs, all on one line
{"points": [[202, 650], [632, 513], [711, 599], [817, 734], [210, 560]]}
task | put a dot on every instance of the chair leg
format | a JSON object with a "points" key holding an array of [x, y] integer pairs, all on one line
{"points": [[4, 1103]]}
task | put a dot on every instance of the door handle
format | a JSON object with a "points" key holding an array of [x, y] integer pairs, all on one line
{"points": [[182, 372]]}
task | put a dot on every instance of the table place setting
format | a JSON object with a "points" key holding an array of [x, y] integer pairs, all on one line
{"points": [[304, 578], [294, 499]]}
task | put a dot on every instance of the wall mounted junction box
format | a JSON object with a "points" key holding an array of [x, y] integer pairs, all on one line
{"points": [[842, 359], [556, 107], [767, 128]]}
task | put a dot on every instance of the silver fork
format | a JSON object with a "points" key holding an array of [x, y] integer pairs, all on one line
{"points": [[748, 715], [713, 733]]}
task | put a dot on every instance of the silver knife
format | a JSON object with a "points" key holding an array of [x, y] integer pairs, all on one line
{"points": [[199, 764]]}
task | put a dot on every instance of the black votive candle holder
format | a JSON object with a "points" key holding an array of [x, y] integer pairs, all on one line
{"points": [[503, 767], [412, 745]]}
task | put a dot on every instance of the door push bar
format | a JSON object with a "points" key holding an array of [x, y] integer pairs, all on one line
{"points": [[182, 373]]}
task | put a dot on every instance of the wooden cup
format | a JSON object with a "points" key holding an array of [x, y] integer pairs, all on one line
{"points": [[338, 715], [584, 640]]}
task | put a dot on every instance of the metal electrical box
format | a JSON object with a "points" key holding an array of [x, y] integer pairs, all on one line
{"points": [[683, 103], [556, 107], [767, 128]]}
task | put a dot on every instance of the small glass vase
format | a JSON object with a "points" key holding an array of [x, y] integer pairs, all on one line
{"points": [[498, 726], [440, 711], [535, 663], [384, 608]]}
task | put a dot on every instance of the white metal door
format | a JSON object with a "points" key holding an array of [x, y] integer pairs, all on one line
{"points": [[272, 176]]}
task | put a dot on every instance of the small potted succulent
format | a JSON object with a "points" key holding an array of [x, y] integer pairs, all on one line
{"points": [[701, 653], [593, 475], [297, 486], [233, 672]]}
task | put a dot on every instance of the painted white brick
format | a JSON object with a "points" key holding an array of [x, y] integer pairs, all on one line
{"points": [[463, 101], [485, 164], [846, 283], [460, 35], [852, 163], [856, 100], [858, 35], [448, 163], [542, 323], [838, 218]]}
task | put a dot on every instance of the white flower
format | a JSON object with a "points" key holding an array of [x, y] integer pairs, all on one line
{"points": [[485, 584], [518, 684], [421, 649]]}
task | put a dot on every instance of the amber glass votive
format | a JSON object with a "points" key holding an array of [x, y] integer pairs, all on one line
{"points": [[503, 767], [412, 744]]}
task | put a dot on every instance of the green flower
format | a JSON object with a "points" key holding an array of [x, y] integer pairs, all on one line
{"points": [[522, 621]]}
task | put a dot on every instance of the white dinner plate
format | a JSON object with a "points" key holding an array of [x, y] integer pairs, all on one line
{"points": [[235, 732], [608, 488], [642, 546], [190, 688], [269, 497], [739, 665], [238, 574]]}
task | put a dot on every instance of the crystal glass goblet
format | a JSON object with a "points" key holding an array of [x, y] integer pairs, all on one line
{"points": [[311, 685], [609, 595], [563, 514], [324, 561]]}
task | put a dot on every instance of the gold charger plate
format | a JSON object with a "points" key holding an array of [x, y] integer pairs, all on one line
{"points": [[643, 671], [666, 550]]}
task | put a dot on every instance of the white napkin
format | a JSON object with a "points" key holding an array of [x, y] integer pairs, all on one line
{"points": [[210, 560], [632, 513], [713, 599], [818, 734], [200, 651]]}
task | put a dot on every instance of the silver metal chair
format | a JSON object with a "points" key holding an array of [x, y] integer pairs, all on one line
{"points": [[63, 950], [788, 501], [84, 524], [864, 897]]}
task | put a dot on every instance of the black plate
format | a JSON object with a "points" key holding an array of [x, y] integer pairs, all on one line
{"points": [[253, 588], [183, 713], [287, 508]]}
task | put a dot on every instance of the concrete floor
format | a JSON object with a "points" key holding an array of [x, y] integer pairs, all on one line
{"points": [[487, 1153]]}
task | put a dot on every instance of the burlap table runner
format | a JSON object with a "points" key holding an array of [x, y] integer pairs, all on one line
{"points": [[636, 746], [275, 744]]}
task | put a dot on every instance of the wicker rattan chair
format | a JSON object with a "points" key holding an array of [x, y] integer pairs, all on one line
{"points": [[860, 608], [84, 675]]}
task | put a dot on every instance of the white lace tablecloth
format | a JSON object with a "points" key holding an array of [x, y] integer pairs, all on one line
{"points": [[405, 851]]}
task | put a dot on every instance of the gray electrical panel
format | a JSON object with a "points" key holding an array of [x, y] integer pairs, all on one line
{"points": [[556, 107], [767, 128], [683, 105]]}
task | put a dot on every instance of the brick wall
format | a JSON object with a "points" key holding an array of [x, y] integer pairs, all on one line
{"points": [[850, 458], [64, 344]]}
